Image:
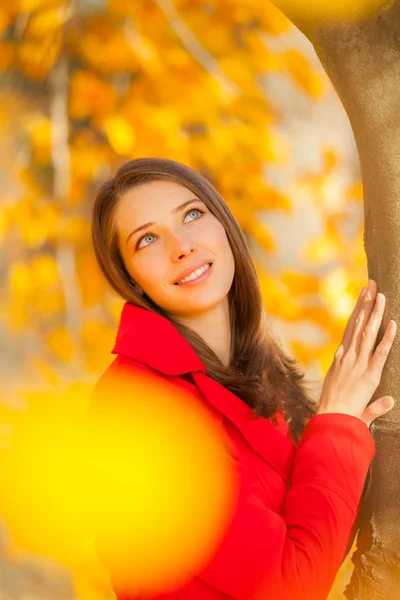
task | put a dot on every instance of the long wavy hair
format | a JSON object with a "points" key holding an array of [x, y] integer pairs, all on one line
{"points": [[260, 373]]}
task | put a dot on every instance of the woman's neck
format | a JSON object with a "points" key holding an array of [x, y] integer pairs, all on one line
{"points": [[213, 326]]}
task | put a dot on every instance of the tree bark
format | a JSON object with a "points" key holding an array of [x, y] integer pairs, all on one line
{"points": [[362, 60]]}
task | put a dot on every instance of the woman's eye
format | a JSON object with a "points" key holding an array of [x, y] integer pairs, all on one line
{"points": [[143, 238], [192, 210]]}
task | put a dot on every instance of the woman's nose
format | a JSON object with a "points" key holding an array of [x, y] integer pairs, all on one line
{"points": [[182, 244]]}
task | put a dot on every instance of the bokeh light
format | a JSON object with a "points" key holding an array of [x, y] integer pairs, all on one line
{"points": [[147, 488]]}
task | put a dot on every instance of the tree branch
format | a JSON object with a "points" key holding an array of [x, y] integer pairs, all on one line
{"points": [[193, 46], [65, 255]]}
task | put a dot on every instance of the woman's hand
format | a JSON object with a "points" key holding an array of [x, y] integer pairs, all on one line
{"points": [[356, 370]]}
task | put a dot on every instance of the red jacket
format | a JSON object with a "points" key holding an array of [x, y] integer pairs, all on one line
{"points": [[296, 505]]}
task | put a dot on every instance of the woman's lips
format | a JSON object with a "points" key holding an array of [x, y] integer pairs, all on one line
{"points": [[198, 280]]}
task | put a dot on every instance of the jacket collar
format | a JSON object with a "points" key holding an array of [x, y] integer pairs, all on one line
{"points": [[151, 339]]}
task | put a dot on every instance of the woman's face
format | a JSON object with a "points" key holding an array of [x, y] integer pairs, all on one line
{"points": [[178, 238]]}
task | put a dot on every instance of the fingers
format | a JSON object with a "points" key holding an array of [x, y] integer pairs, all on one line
{"points": [[348, 334], [378, 359], [376, 409], [359, 339], [367, 338], [367, 307]]}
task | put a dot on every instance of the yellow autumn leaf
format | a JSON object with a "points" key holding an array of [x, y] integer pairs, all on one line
{"points": [[88, 157], [305, 353], [91, 280], [90, 95], [278, 200], [276, 299], [37, 5], [221, 39], [330, 158], [19, 279], [120, 134], [5, 221], [42, 22], [39, 129], [102, 47], [274, 147], [238, 72], [326, 355], [272, 20], [51, 215], [97, 339], [161, 118], [33, 232], [18, 316], [74, 230], [59, 341], [48, 374], [319, 251], [273, 62], [143, 46], [48, 304], [319, 315], [7, 52], [27, 178], [300, 283], [241, 213], [5, 19], [44, 272], [328, 193], [355, 191], [113, 305], [93, 331], [303, 73], [358, 251], [36, 58], [264, 197], [340, 290], [251, 107], [177, 57], [262, 235]]}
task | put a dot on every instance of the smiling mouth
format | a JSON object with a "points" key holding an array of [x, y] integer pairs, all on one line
{"points": [[182, 283]]}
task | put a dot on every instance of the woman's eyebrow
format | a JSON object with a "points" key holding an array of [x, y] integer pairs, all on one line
{"points": [[173, 211]]}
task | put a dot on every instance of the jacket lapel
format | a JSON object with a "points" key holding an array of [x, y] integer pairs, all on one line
{"points": [[151, 339], [272, 445]]}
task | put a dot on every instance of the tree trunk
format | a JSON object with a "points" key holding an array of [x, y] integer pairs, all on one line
{"points": [[362, 60], [65, 252]]}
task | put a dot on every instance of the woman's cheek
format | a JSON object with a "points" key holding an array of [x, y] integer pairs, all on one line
{"points": [[222, 241], [154, 273]]}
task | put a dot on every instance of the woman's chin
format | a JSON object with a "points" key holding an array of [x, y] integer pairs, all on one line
{"points": [[195, 306]]}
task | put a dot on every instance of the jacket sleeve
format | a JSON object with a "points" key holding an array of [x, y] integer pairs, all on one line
{"points": [[294, 555], [297, 554]]}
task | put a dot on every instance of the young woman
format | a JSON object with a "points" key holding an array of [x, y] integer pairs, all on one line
{"points": [[168, 244]]}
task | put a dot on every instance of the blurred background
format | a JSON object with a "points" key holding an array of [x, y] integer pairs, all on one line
{"points": [[228, 87]]}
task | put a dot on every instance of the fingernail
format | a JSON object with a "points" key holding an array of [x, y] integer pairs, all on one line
{"points": [[388, 402]]}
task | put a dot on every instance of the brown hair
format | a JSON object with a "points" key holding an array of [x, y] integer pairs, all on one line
{"points": [[260, 373]]}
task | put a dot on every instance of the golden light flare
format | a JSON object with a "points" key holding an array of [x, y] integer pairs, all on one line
{"points": [[135, 479], [318, 10]]}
